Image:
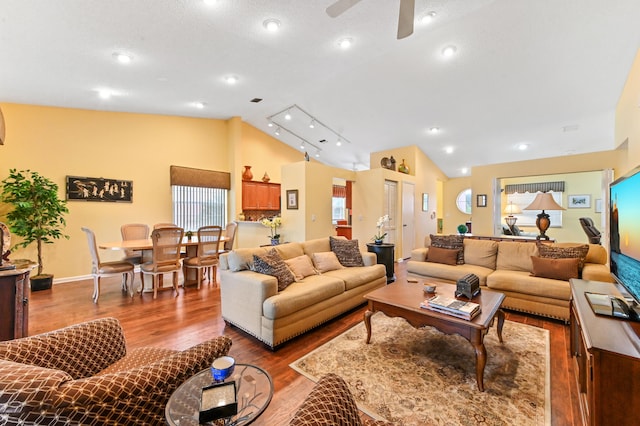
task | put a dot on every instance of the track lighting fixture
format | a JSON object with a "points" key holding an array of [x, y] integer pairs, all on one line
{"points": [[312, 125], [277, 132]]}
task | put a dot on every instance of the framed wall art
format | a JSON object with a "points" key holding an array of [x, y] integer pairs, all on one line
{"points": [[99, 189], [481, 200], [292, 199], [579, 201]]}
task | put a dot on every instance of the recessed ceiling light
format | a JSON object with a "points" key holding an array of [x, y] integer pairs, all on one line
{"points": [[428, 18], [464, 170], [271, 25], [277, 132], [105, 93], [270, 124], [287, 116], [231, 79], [345, 43], [123, 58], [199, 105], [448, 150], [449, 51], [318, 154], [312, 125], [434, 130], [523, 146], [339, 143]]}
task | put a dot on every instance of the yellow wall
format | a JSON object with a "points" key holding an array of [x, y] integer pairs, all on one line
{"points": [[628, 119], [58, 142]]}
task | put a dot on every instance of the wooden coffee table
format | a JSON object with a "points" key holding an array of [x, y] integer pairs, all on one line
{"points": [[402, 299]]}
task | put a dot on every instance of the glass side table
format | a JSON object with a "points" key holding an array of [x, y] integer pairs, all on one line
{"points": [[254, 390]]}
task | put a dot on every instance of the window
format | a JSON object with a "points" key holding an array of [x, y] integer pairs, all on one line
{"points": [[194, 207], [463, 201]]}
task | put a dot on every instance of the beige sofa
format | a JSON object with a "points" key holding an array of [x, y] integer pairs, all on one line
{"points": [[506, 266], [252, 302]]}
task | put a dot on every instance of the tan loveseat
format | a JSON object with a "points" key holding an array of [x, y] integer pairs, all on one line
{"points": [[252, 302], [506, 266]]}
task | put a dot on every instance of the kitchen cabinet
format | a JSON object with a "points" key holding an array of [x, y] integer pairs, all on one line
{"points": [[260, 196]]}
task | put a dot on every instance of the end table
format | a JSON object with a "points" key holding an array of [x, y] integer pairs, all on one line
{"points": [[385, 255]]}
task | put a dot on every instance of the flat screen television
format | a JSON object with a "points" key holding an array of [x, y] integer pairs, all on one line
{"points": [[624, 235]]}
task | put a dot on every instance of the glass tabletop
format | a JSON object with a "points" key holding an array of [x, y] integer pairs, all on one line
{"points": [[254, 390]]}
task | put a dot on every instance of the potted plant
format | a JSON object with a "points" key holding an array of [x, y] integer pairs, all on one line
{"points": [[378, 238], [189, 235], [37, 215], [273, 225], [462, 229]]}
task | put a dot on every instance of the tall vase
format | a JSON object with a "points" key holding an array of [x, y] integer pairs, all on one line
{"points": [[247, 175]]}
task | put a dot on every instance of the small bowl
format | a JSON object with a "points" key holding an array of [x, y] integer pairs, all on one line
{"points": [[429, 288], [222, 367]]}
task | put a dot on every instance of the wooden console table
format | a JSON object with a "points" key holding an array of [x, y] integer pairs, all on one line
{"points": [[606, 356]]}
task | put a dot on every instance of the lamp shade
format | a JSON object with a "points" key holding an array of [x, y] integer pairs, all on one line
{"points": [[544, 201], [512, 209]]}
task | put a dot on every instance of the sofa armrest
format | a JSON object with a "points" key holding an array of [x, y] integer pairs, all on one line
{"points": [[419, 254], [596, 272], [369, 258], [160, 377]]}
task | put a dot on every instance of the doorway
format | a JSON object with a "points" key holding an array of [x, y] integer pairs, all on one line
{"points": [[408, 211]]}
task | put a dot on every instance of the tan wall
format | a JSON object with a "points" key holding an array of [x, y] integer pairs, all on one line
{"points": [[140, 147], [628, 119]]}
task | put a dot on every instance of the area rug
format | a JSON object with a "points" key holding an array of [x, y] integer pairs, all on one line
{"points": [[422, 377]]}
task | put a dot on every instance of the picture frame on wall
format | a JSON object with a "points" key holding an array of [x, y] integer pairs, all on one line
{"points": [[292, 199], [481, 200], [582, 201], [99, 189], [425, 202]]}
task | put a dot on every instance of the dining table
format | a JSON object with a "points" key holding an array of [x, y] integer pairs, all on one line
{"points": [[146, 246]]}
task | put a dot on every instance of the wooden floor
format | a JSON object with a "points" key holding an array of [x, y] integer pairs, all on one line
{"points": [[194, 316]]}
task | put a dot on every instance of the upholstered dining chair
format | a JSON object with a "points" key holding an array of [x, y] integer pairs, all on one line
{"points": [[85, 374], [229, 237], [165, 258], [104, 269], [207, 255], [134, 231], [164, 225]]}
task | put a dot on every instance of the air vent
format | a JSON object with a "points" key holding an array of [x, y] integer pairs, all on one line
{"points": [[322, 141], [256, 100]]}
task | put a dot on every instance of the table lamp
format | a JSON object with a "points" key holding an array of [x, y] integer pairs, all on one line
{"points": [[511, 209], [543, 201]]}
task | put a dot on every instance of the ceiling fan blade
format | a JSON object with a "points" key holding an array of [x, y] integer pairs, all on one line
{"points": [[340, 7], [405, 18]]}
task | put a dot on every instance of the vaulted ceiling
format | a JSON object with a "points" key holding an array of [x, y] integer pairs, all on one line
{"points": [[545, 75]]}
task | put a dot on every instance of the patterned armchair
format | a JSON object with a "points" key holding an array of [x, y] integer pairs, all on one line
{"points": [[331, 403], [83, 374]]}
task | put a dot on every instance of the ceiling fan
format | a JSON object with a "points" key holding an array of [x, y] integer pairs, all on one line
{"points": [[405, 17]]}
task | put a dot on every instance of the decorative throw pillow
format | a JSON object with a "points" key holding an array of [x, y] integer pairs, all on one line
{"points": [[326, 261], [347, 251], [555, 252], [272, 264], [441, 255], [301, 266], [450, 242], [557, 269]]}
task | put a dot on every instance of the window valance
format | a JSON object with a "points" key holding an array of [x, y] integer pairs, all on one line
{"points": [[532, 188], [186, 176], [339, 191]]}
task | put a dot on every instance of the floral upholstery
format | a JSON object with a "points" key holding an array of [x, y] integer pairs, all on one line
{"points": [[83, 374], [331, 403]]}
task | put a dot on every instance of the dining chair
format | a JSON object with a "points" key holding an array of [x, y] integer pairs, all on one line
{"points": [[134, 231], [229, 235], [105, 269], [164, 225], [166, 256], [207, 255]]}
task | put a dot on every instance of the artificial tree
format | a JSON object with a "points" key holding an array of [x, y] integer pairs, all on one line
{"points": [[38, 212]]}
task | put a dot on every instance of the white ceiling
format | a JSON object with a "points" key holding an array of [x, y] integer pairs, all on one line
{"points": [[524, 69]]}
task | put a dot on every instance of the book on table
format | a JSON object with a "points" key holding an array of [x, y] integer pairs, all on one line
{"points": [[450, 306]]}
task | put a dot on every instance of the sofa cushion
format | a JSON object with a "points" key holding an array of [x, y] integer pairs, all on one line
{"points": [[272, 264], [558, 269], [326, 261], [347, 251], [559, 252], [449, 242], [302, 294], [515, 256], [356, 276], [318, 245], [442, 255], [301, 266], [522, 282], [289, 250], [480, 252], [242, 259], [447, 272]]}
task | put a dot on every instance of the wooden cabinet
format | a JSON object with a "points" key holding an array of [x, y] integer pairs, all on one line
{"points": [[260, 196], [606, 358], [14, 304]]}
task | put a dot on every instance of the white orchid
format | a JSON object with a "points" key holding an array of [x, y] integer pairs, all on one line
{"points": [[273, 224], [380, 225]]}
